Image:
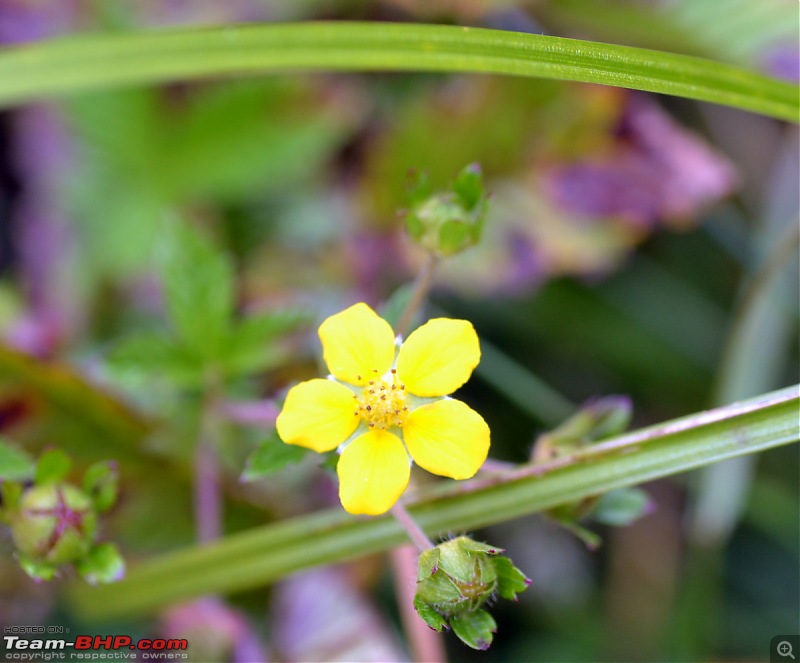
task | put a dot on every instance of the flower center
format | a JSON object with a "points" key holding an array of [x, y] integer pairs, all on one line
{"points": [[382, 403]]}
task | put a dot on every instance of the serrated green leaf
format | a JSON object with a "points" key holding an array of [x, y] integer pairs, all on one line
{"points": [[510, 580], [102, 564], [622, 506], [52, 466], [199, 290], [223, 149], [251, 346], [272, 456], [475, 629], [157, 354], [15, 464]]}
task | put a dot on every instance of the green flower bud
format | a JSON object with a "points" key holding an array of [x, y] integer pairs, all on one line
{"points": [[448, 222], [53, 524], [456, 578], [595, 421]]}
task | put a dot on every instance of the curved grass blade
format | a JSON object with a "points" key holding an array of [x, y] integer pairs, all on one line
{"points": [[73, 64]]}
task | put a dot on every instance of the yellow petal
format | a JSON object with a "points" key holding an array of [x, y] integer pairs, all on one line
{"points": [[448, 438], [318, 414], [373, 472], [357, 344], [438, 357]]}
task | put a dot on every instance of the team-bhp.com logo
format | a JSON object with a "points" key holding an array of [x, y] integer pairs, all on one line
{"points": [[94, 647]]}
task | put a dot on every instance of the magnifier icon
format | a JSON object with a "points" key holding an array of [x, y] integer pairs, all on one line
{"points": [[785, 649]]}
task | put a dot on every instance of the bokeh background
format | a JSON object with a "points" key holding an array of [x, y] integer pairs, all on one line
{"points": [[636, 245]]}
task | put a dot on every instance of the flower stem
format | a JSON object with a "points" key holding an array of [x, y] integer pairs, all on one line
{"points": [[207, 480], [426, 644], [422, 284], [414, 531]]}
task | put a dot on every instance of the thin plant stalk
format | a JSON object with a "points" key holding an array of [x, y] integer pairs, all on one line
{"points": [[421, 288], [261, 555], [208, 500], [415, 533], [426, 644]]}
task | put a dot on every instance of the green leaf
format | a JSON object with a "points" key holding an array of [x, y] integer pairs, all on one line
{"points": [[85, 62], [222, 148], [10, 494], [590, 539], [414, 226], [393, 308], [199, 290], [70, 409], [621, 507], [251, 344], [428, 563], [256, 557], [157, 354], [469, 186], [52, 466], [510, 580], [103, 563], [101, 484], [15, 464], [37, 570], [599, 419], [475, 629], [270, 457], [418, 187], [432, 618]]}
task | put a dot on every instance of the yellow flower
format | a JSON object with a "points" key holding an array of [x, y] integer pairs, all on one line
{"points": [[384, 407]]}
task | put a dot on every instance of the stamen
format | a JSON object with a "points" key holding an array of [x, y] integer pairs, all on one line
{"points": [[382, 403]]}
